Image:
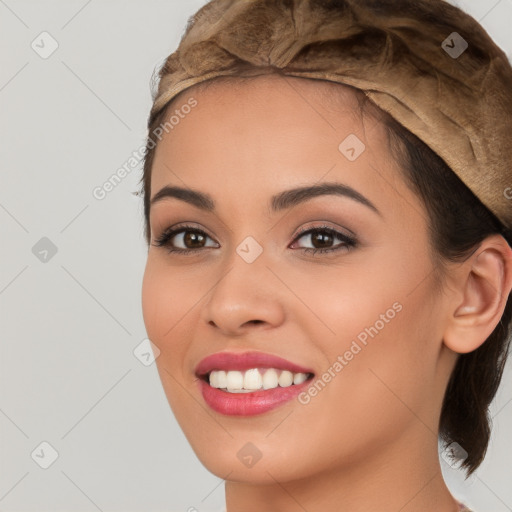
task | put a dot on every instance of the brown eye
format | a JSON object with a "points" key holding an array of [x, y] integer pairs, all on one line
{"points": [[183, 239], [193, 240], [322, 239]]}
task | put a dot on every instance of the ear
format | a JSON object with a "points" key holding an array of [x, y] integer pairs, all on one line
{"points": [[484, 282]]}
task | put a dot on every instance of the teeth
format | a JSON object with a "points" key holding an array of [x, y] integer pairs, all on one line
{"points": [[299, 378], [270, 379], [285, 379], [234, 380], [218, 379], [254, 379]]}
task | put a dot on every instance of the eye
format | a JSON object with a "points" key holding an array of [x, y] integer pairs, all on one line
{"points": [[322, 237], [190, 237], [192, 240]]}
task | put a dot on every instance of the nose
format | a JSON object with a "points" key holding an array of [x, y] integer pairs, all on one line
{"points": [[247, 296]]}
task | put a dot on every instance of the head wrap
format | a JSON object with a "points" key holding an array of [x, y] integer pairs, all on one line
{"points": [[426, 62]]}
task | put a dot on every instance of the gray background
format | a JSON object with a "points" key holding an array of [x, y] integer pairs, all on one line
{"points": [[69, 324]]}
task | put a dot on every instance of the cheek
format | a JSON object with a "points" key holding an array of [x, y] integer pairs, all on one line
{"points": [[382, 323], [166, 299], [167, 307], [360, 301], [152, 299], [379, 387]]}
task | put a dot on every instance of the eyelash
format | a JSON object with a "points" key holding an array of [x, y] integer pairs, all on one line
{"points": [[348, 242]]}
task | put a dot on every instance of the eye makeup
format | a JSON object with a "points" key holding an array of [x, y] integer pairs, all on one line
{"points": [[322, 234]]}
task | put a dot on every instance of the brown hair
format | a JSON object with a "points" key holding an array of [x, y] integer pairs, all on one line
{"points": [[458, 223]]}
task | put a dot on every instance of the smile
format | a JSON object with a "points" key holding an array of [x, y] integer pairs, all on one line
{"points": [[244, 384]]}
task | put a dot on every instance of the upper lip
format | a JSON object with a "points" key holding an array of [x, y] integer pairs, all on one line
{"points": [[245, 361]]}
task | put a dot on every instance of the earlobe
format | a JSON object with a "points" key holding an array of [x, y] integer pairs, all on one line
{"points": [[485, 281]]}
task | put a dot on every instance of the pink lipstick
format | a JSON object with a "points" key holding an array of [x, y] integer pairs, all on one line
{"points": [[272, 390]]}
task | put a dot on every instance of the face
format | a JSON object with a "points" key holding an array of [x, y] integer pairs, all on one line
{"points": [[361, 313]]}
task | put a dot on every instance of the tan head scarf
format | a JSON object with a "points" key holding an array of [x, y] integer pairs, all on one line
{"points": [[427, 63]]}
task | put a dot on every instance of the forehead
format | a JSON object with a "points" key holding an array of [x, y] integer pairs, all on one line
{"points": [[272, 88], [251, 138]]}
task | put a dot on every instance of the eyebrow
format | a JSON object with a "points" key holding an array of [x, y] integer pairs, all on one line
{"points": [[281, 201]]}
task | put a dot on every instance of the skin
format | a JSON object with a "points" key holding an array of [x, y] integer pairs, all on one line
{"points": [[374, 426]]}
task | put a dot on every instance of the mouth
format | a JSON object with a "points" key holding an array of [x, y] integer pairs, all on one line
{"points": [[249, 383]]}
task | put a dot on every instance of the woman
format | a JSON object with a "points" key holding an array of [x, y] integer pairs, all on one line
{"points": [[328, 216]]}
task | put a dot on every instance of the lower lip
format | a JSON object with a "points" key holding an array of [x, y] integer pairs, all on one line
{"points": [[249, 404]]}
